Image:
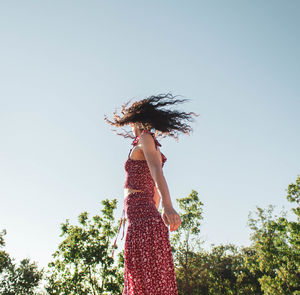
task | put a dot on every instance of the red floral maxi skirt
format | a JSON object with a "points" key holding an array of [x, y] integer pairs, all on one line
{"points": [[149, 266]]}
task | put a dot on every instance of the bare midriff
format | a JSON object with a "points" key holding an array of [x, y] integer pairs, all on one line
{"points": [[128, 191]]}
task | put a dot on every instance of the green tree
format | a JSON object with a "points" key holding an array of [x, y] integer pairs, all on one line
{"points": [[248, 281], [22, 279], [224, 272], [82, 262], [220, 271], [185, 242], [276, 241]]}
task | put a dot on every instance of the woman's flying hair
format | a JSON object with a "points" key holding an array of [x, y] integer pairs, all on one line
{"points": [[149, 113]]}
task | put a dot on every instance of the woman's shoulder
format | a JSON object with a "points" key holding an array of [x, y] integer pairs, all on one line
{"points": [[149, 134], [146, 134]]}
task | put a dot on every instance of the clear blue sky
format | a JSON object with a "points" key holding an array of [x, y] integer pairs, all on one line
{"points": [[64, 64]]}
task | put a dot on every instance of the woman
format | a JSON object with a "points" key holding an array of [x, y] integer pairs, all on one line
{"points": [[148, 259]]}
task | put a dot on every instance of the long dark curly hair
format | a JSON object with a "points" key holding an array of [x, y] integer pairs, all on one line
{"points": [[149, 113]]}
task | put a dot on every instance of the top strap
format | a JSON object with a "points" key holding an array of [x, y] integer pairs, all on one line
{"points": [[136, 139], [123, 219]]}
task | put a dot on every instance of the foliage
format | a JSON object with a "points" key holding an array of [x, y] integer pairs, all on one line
{"points": [[185, 240], [22, 279], [82, 262], [219, 271], [276, 241], [82, 265], [271, 265]]}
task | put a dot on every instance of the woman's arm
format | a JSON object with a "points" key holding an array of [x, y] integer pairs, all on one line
{"points": [[153, 158], [156, 197]]}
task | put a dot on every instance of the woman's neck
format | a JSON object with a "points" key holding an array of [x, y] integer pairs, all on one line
{"points": [[139, 132]]}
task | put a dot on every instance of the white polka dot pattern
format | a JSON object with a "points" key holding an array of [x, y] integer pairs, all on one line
{"points": [[149, 266]]}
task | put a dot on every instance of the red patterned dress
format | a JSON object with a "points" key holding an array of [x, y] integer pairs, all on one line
{"points": [[149, 266]]}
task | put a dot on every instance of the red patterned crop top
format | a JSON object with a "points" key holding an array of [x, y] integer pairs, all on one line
{"points": [[138, 174]]}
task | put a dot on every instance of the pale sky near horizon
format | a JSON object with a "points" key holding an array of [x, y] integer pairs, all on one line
{"points": [[64, 64]]}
